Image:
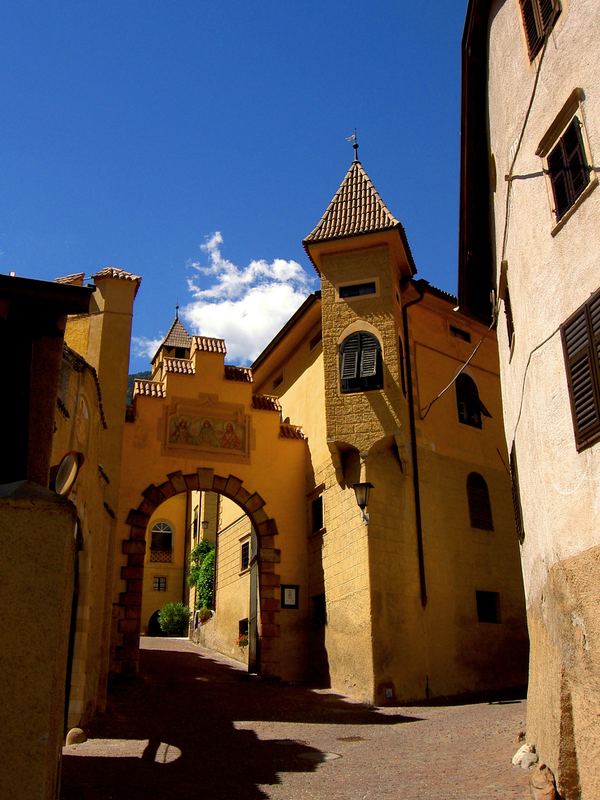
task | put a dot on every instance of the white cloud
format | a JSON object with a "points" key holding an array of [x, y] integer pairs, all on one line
{"points": [[143, 347], [246, 306]]}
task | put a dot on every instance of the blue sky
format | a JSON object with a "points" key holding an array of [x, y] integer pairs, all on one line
{"points": [[196, 144]]}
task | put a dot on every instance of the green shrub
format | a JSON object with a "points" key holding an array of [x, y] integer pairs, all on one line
{"points": [[202, 573], [206, 581], [204, 614], [174, 619]]}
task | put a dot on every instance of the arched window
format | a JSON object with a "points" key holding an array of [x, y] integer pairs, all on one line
{"points": [[161, 542], [469, 406], [361, 367], [480, 508]]}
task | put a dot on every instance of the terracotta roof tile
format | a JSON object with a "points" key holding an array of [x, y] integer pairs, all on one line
{"points": [[209, 345], [177, 336], [243, 374], [76, 279], [287, 431], [355, 208], [181, 365], [149, 388], [265, 402], [117, 272]]}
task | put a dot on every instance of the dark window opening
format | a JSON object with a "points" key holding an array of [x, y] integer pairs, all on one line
{"points": [[488, 606], [315, 340], [181, 352], [159, 583], [516, 497], [568, 169], [539, 17], [243, 627], [510, 327], [581, 347], [460, 334], [361, 367], [402, 367], [316, 514], [318, 610], [245, 556], [469, 406], [358, 289], [478, 497]]}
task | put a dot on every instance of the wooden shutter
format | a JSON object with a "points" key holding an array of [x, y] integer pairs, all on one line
{"points": [[350, 350], [538, 19], [559, 181], [516, 496], [581, 344], [368, 355], [532, 32], [578, 171]]}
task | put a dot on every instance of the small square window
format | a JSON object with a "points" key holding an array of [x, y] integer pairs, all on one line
{"points": [[159, 583], [358, 289], [458, 333], [488, 606], [245, 556]]}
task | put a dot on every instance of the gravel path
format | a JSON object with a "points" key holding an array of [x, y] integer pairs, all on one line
{"points": [[195, 725]]}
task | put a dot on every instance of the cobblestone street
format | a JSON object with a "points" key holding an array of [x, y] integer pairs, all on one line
{"points": [[195, 725]]}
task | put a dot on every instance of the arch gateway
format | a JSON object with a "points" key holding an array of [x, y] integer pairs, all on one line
{"points": [[197, 426]]}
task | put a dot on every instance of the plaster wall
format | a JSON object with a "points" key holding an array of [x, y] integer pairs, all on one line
{"points": [[232, 586], [37, 553], [78, 426], [172, 511], [552, 270]]}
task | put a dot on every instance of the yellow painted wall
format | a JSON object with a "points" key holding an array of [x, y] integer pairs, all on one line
{"points": [[232, 585], [274, 466], [173, 512]]}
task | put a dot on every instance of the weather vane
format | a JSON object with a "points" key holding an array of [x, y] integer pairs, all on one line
{"points": [[354, 139]]}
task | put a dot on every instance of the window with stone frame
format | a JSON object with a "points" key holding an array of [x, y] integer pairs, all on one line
{"points": [[539, 17], [159, 583], [581, 347], [245, 556], [361, 364]]}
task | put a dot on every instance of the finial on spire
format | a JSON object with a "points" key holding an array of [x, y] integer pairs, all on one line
{"points": [[354, 139], [177, 311]]}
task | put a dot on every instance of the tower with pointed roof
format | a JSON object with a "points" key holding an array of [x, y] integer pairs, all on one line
{"points": [[363, 258], [176, 344]]}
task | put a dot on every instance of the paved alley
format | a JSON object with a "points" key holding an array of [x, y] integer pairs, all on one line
{"points": [[195, 725]]}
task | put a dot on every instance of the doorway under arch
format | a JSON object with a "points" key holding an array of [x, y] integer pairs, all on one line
{"points": [[128, 609]]}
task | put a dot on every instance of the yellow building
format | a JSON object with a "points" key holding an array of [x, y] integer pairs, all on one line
{"points": [[68, 377], [416, 594]]}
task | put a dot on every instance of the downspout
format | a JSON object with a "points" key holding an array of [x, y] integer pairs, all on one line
{"points": [[419, 286]]}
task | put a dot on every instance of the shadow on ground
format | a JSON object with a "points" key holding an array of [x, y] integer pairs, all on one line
{"points": [[171, 733]]}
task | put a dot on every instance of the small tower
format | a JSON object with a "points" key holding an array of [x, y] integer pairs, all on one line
{"points": [[176, 344], [361, 253]]}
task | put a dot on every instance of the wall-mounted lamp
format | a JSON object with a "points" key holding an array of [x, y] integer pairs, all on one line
{"points": [[361, 490], [205, 523]]}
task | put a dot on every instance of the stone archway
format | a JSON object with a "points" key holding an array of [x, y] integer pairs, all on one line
{"points": [[125, 656]]}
